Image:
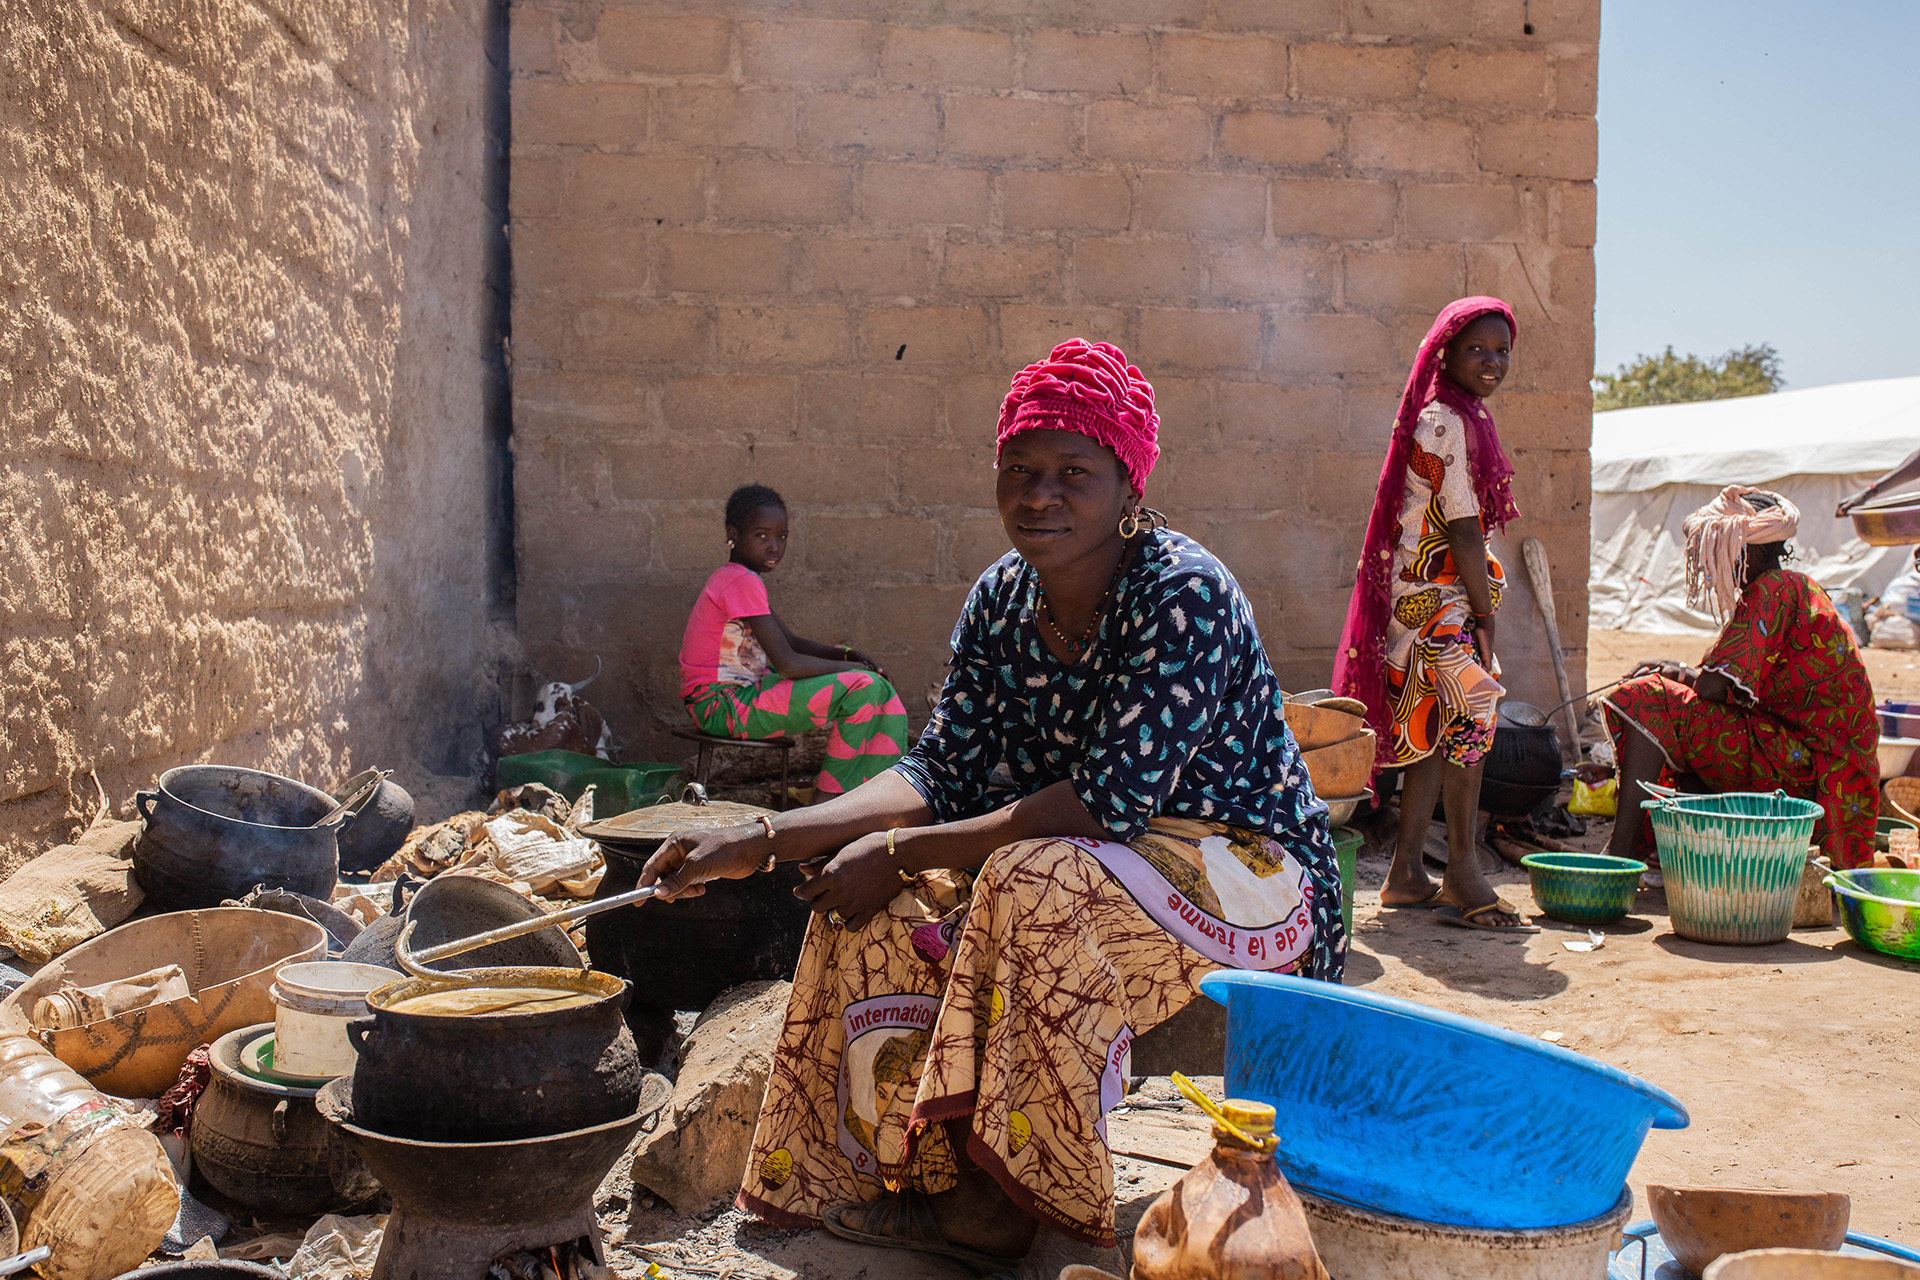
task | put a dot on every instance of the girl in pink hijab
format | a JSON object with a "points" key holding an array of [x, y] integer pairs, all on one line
{"points": [[1418, 645]]}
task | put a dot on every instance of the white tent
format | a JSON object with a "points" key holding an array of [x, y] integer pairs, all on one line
{"points": [[1653, 466]]}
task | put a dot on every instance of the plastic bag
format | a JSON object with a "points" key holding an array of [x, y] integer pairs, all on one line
{"points": [[1894, 633], [1600, 800], [338, 1248]]}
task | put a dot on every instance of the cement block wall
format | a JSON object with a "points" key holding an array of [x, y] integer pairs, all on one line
{"points": [[247, 376], [806, 243]]}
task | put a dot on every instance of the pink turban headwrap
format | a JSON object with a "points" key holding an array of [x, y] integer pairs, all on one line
{"points": [[1087, 387], [1718, 536]]}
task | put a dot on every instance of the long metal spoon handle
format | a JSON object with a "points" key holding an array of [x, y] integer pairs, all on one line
{"points": [[21, 1261], [366, 789], [521, 929]]}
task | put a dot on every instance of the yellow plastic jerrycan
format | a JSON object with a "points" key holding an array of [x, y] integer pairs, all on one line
{"points": [[1233, 1217]]}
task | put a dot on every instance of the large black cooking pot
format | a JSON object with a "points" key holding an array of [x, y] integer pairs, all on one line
{"points": [[1525, 749], [681, 955], [494, 1077], [212, 832]]}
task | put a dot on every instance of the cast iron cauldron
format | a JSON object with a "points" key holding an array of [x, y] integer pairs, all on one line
{"points": [[495, 1077], [1525, 749], [377, 826], [1523, 762], [682, 955], [212, 832]]}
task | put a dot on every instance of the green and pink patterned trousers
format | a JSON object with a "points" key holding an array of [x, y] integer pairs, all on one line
{"points": [[867, 719]]}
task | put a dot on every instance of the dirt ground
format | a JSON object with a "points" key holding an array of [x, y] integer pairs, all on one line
{"points": [[1799, 1062]]}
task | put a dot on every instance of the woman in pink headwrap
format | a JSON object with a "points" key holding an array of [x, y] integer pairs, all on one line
{"points": [[1418, 644], [1781, 700], [1106, 806]]}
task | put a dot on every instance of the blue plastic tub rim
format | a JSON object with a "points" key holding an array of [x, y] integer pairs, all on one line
{"points": [[1217, 986], [1645, 1231]]}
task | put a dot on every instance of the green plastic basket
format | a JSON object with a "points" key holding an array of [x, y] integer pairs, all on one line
{"points": [[1346, 848], [622, 788], [559, 770], [1732, 862]]}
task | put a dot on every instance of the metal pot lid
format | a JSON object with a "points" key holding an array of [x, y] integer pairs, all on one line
{"points": [[692, 812]]}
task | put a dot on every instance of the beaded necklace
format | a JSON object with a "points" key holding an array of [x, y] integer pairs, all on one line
{"points": [[1099, 610]]}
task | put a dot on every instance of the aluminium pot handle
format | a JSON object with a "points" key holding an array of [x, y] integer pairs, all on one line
{"points": [[280, 1121], [143, 802], [1661, 795], [359, 1031]]}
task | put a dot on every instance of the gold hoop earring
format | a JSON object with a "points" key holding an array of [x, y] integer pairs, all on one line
{"points": [[1129, 525]]}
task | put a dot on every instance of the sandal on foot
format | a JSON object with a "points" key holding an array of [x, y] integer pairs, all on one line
{"points": [[1427, 903], [1470, 918], [904, 1220]]}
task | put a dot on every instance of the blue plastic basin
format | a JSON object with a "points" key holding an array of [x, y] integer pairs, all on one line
{"points": [[1391, 1106]]}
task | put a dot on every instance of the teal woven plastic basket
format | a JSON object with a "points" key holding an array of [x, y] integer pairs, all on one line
{"points": [[1732, 862], [1583, 888]]}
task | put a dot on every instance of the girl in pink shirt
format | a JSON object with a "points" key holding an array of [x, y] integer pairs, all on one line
{"points": [[745, 674]]}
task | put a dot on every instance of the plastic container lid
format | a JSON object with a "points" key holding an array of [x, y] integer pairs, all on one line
{"points": [[1254, 1117]]}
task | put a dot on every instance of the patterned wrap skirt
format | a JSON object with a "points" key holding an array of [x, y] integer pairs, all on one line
{"points": [[1014, 999]]}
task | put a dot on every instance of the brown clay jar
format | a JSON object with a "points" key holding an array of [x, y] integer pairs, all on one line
{"points": [[1233, 1217]]}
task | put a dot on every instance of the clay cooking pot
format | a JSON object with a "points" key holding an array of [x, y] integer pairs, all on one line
{"points": [[1701, 1223], [263, 1145]]}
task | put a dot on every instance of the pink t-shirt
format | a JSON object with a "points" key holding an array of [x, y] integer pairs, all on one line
{"points": [[719, 647]]}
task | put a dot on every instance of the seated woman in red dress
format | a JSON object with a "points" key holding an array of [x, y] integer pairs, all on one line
{"points": [[1781, 700]]}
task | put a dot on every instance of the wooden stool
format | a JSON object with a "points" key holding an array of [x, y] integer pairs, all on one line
{"points": [[708, 743]]}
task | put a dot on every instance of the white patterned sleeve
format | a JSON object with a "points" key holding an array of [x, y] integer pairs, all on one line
{"points": [[1441, 433]]}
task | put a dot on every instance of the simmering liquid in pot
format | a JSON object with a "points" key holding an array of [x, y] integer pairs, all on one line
{"points": [[469, 1001]]}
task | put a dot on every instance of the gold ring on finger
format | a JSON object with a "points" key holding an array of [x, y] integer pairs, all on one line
{"points": [[839, 921]]}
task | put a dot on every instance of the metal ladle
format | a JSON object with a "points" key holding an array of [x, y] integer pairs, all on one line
{"points": [[414, 962], [366, 789]]}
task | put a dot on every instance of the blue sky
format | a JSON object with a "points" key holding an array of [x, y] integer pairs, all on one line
{"points": [[1760, 182]]}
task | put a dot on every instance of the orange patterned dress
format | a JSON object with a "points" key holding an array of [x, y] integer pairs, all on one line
{"points": [[1013, 999], [1441, 697]]}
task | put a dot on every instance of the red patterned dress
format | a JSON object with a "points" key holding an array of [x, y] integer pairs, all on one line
{"points": [[1800, 717]]}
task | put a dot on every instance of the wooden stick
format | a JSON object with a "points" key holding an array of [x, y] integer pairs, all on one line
{"points": [[1541, 577]]}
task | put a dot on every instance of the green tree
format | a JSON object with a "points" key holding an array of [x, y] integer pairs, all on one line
{"points": [[1670, 379]]}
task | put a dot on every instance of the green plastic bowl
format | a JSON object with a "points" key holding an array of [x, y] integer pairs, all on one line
{"points": [[1880, 907], [1884, 827], [1583, 888], [620, 787]]}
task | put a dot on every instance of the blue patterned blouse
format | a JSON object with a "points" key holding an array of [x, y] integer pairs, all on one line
{"points": [[1174, 710]]}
